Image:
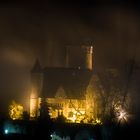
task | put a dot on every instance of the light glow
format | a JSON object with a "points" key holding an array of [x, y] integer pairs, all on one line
{"points": [[15, 111], [98, 121], [6, 131], [122, 115]]}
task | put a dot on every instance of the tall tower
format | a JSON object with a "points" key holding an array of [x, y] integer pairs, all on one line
{"points": [[88, 57], [36, 83]]}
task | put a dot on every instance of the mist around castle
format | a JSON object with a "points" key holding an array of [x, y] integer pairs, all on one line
{"points": [[69, 70], [93, 105]]}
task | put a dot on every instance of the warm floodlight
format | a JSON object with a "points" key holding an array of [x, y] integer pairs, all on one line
{"points": [[122, 116]]}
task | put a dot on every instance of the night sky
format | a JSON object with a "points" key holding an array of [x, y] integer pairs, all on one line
{"points": [[43, 30]]}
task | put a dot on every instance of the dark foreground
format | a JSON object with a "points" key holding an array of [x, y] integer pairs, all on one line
{"points": [[46, 130]]}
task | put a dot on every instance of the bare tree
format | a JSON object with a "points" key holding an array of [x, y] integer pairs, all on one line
{"points": [[111, 86]]}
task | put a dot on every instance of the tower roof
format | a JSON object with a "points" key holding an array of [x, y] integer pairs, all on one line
{"points": [[37, 67]]}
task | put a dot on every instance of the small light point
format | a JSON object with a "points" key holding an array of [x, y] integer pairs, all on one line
{"points": [[6, 131]]}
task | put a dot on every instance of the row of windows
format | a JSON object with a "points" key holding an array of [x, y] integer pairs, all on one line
{"points": [[55, 105], [71, 105]]}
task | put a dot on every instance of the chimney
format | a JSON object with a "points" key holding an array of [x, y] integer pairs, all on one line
{"points": [[88, 57]]}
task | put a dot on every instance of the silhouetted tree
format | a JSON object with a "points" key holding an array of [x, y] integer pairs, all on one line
{"points": [[26, 115], [111, 86], [44, 110], [61, 118], [44, 126]]}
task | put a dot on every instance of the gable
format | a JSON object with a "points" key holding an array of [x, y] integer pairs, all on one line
{"points": [[60, 93]]}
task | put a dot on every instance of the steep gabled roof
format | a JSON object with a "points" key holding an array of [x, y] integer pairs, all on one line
{"points": [[60, 93], [73, 80], [37, 67]]}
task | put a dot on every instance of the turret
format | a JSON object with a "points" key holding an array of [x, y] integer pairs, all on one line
{"points": [[36, 87], [88, 54]]}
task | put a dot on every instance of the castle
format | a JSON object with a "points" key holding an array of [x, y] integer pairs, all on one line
{"points": [[65, 88]]}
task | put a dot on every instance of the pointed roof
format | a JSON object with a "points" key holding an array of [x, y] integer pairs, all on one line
{"points": [[60, 93], [37, 67], [72, 81]]}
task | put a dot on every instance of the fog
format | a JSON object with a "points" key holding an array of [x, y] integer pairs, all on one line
{"points": [[30, 31]]}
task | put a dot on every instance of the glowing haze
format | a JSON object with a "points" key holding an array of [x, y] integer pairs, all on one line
{"points": [[43, 30]]}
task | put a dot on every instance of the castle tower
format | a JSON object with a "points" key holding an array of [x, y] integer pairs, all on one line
{"points": [[88, 54], [36, 83]]}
